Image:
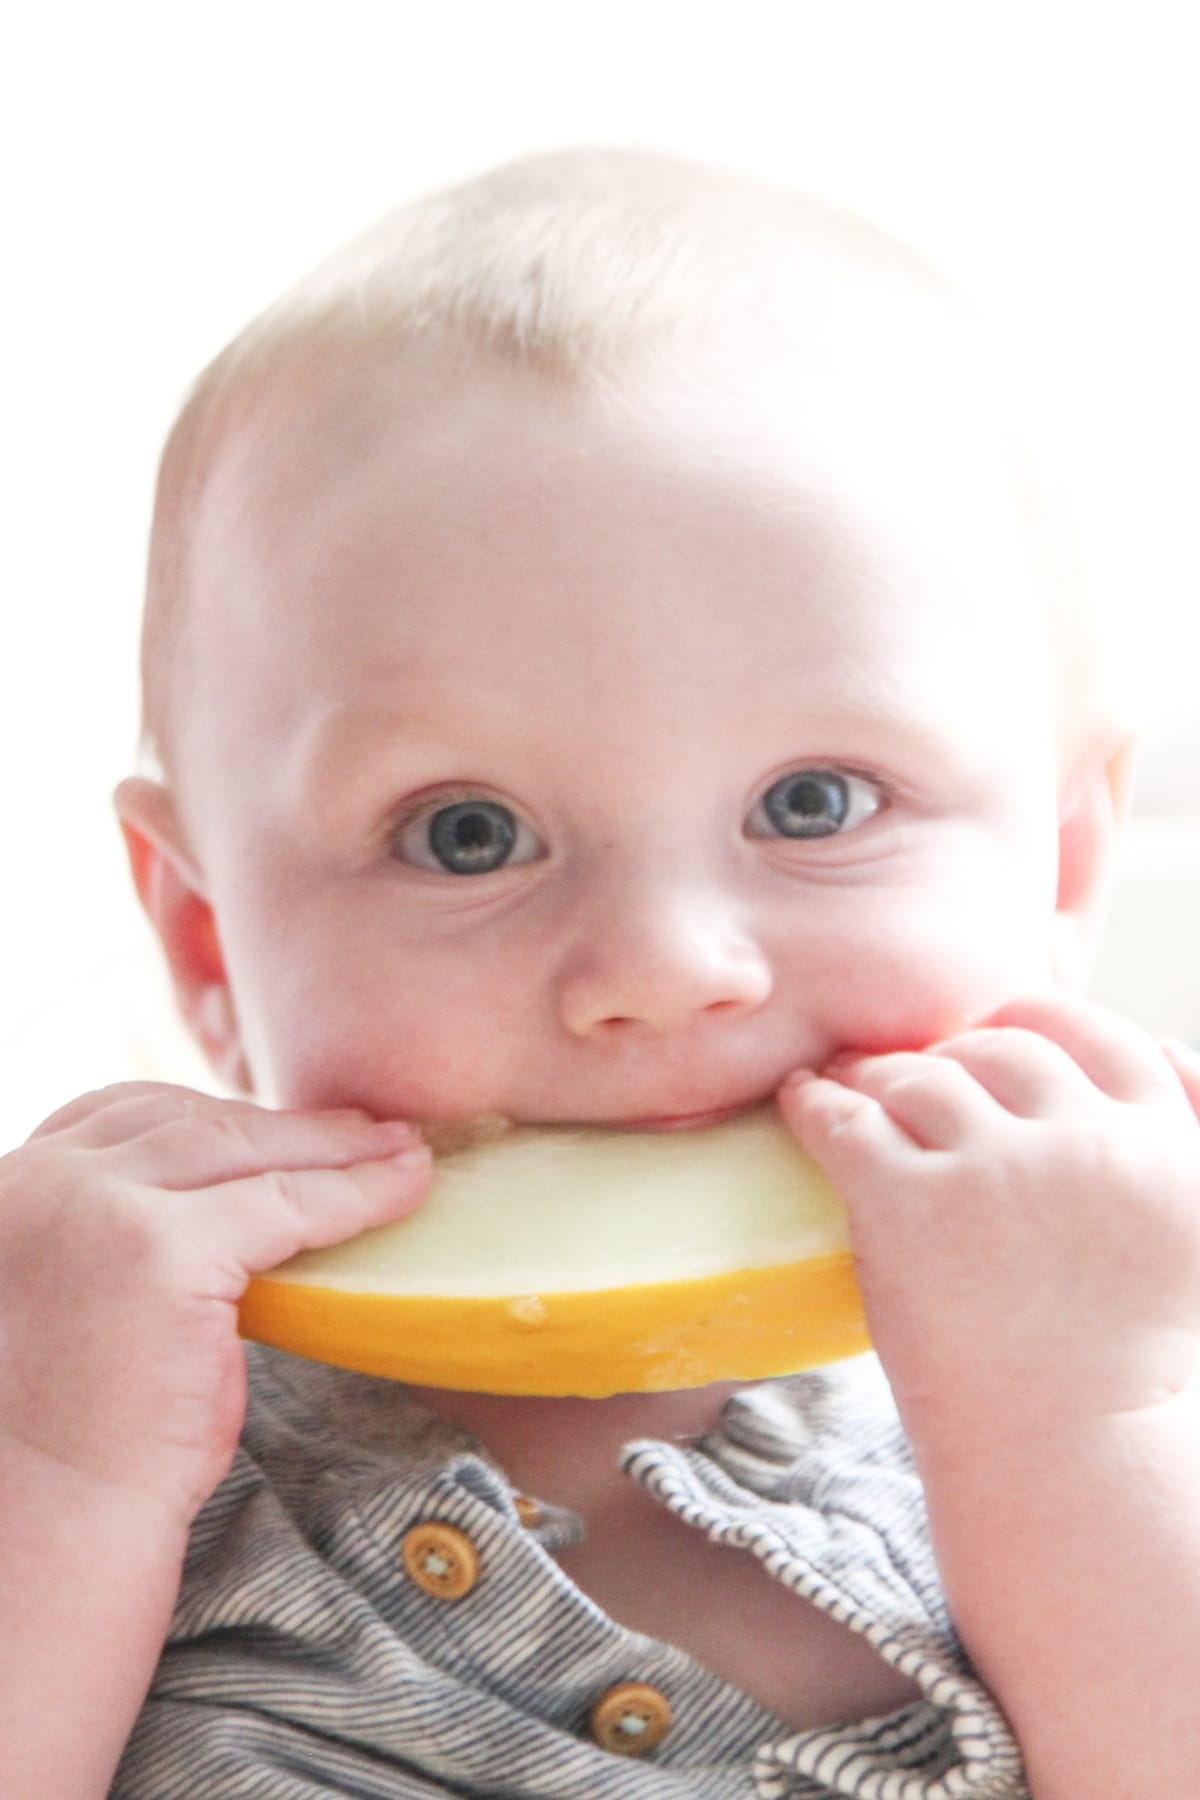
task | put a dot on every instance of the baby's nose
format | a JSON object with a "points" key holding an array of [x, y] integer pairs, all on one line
{"points": [[659, 963]]}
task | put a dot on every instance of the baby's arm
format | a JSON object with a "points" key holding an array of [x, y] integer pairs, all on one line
{"points": [[129, 1224], [1025, 1209]]}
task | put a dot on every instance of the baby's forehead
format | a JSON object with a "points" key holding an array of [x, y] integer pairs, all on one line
{"points": [[701, 273], [836, 317], [437, 462], [745, 376]]}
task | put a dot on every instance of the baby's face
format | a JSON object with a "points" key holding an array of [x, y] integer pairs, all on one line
{"points": [[585, 759]]}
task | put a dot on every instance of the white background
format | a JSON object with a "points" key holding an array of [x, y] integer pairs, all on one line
{"points": [[169, 167]]}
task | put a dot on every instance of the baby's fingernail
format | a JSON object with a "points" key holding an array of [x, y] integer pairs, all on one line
{"points": [[416, 1156], [797, 1079], [399, 1134]]}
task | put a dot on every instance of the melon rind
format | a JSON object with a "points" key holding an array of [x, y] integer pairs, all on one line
{"points": [[587, 1262]]}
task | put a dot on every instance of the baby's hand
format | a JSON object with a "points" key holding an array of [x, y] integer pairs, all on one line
{"points": [[129, 1225], [1025, 1214]]}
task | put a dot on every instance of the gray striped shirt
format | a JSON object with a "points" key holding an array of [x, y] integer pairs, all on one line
{"points": [[302, 1665]]}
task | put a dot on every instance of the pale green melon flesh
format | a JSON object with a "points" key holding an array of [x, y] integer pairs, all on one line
{"points": [[552, 1209]]}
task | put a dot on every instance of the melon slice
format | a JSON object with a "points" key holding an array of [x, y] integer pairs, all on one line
{"points": [[555, 1260]]}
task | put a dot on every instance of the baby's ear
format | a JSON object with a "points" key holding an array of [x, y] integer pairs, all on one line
{"points": [[172, 891], [1094, 803]]}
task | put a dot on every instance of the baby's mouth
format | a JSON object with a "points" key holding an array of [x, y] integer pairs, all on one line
{"points": [[684, 1121], [447, 1137]]}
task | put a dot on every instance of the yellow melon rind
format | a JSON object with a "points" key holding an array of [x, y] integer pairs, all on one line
{"points": [[747, 1325]]}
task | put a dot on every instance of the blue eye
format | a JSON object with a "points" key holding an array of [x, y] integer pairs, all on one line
{"points": [[814, 803], [467, 837]]}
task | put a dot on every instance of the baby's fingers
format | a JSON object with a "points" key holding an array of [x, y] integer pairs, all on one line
{"points": [[241, 1141], [199, 1141], [176, 1138], [841, 1127], [1186, 1064], [88, 1116], [251, 1225], [934, 1102], [1117, 1056], [1023, 1072]]}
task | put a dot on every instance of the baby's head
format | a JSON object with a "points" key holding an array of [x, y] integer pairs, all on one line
{"points": [[604, 650]]}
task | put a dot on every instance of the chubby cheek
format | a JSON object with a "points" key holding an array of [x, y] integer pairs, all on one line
{"points": [[415, 1048], [916, 974]]}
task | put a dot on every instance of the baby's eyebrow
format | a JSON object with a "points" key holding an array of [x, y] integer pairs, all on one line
{"points": [[877, 731], [340, 746], [415, 730], [338, 727]]}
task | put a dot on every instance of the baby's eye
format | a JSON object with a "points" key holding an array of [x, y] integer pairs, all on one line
{"points": [[468, 837], [814, 803]]}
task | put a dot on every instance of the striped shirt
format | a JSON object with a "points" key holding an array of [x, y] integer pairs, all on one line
{"points": [[303, 1663]]}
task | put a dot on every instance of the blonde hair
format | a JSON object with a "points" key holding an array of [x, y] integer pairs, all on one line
{"points": [[566, 264]]}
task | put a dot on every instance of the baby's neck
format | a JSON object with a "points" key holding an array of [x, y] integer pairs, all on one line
{"points": [[647, 1570], [567, 1450]]}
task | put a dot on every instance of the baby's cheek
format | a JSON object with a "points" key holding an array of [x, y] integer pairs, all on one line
{"points": [[393, 1055], [914, 978]]}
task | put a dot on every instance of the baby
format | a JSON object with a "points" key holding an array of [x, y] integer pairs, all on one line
{"points": [[606, 661]]}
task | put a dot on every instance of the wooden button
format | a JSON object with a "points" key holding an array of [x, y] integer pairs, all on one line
{"points": [[630, 1719], [440, 1559], [529, 1511]]}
